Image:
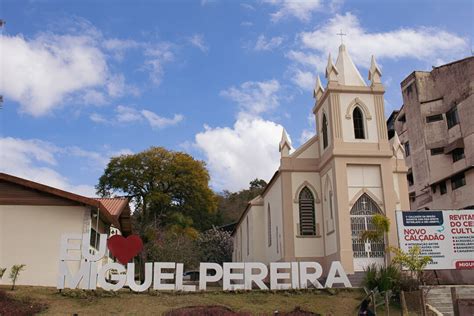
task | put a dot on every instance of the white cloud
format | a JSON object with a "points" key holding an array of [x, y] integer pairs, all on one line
{"points": [[304, 79], [270, 44], [157, 57], [246, 23], [306, 134], [127, 114], [239, 154], [300, 9], [255, 97], [35, 160], [198, 41], [42, 71], [95, 117], [422, 43], [157, 121]]}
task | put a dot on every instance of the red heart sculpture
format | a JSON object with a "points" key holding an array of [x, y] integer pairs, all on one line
{"points": [[124, 249]]}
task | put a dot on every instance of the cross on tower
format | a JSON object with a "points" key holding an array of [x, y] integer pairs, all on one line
{"points": [[341, 35]]}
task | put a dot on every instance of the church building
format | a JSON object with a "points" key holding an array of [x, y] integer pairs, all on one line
{"points": [[325, 193]]}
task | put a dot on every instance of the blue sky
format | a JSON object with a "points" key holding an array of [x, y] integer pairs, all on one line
{"points": [[86, 80]]}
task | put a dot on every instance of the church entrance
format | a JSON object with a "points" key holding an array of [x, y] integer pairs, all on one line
{"points": [[365, 252]]}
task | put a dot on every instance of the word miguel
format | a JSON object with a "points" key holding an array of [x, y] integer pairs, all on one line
{"points": [[91, 272]]}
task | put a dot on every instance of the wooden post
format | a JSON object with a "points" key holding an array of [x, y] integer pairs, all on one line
{"points": [[423, 302], [404, 303], [387, 304], [454, 298]]}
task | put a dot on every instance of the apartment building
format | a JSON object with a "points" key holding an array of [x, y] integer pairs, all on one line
{"points": [[436, 127]]}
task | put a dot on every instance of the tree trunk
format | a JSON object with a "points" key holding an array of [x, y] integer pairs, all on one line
{"points": [[374, 303], [387, 304]]}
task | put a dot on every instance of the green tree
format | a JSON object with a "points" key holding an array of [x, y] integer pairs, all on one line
{"points": [[232, 204], [381, 224], [165, 186], [2, 272], [412, 260], [15, 273]]}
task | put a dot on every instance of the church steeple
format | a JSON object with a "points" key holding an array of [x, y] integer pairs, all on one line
{"points": [[331, 70], [318, 89], [374, 72], [348, 74], [285, 144]]}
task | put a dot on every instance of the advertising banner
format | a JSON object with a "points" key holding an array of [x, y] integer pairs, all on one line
{"points": [[446, 236]]}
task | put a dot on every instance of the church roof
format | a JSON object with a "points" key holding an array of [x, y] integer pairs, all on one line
{"points": [[348, 74]]}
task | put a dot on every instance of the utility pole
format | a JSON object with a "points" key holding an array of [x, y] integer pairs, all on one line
{"points": [[2, 24]]}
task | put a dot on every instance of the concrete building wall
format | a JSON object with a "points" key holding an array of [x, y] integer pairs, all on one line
{"points": [[428, 98], [31, 235]]}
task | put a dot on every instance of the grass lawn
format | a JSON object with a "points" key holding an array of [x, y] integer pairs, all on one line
{"points": [[80, 302]]}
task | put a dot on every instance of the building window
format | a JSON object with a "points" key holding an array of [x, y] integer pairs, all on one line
{"points": [[452, 117], [442, 188], [437, 151], [407, 149], [410, 179], [307, 216], [358, 119], [269, 216], [248, 237], [458, 154], [93, 239], [325, 131], [434, 118], [458, 181], [433, 188], [330, 205]]}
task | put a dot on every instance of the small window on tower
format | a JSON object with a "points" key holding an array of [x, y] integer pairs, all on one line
{"points": [[358, 119], [407, 149], [458, 154], [452, 118], [325, 131]]}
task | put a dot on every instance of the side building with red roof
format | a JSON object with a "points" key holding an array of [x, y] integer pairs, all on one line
{"points": [[34, 216]]}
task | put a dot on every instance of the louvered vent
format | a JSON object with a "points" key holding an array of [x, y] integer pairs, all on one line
{"points": [[307, 217]]}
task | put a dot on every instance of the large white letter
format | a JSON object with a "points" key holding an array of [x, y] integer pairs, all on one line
{"points": [[204, 278], [65, 246], [131, 277], [258, 277], [118, 276], [159, 275], [275, 275], [100, 252], [336, 267], [179, 280], [229, 276], [305, 276], [65, 279]]}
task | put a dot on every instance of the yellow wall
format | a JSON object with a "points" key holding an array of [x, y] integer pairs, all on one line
{"points": [[31, 235]]}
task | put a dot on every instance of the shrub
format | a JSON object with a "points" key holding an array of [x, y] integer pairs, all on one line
{"points": [[383, 278], [15, 272]]}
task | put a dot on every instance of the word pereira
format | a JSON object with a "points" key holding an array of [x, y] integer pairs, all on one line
{"points": [[169, 275]]}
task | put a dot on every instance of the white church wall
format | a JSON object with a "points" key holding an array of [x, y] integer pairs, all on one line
{"points": [[364, 176], [274, 198], [311, 151], [345, 100], [257, 241], [307, 246], [330, 227]]}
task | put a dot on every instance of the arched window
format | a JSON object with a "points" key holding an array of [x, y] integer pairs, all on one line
{"points": [[269, 216], [358, 119], [307, 216], [325, 131]]}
